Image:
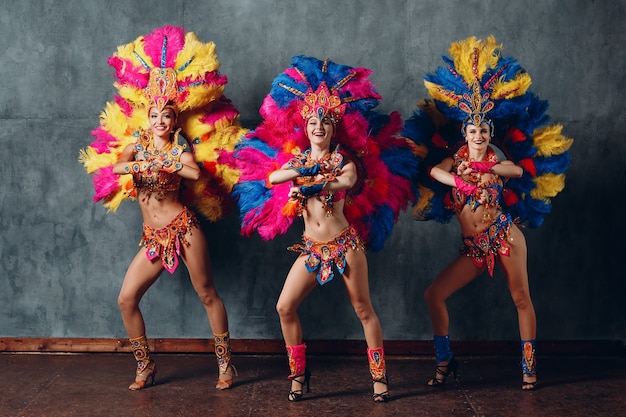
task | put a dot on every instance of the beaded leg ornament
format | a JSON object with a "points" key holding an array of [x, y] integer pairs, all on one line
{"points": [[442, 348], [378, 370], [297, 366], [223, 355], [443, 354], [529, 364]]}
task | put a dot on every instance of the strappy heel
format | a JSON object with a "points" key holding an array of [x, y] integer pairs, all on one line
{"points": [[223, 384], [297, 394], [443, 371], [149, 372], [381, 397]]}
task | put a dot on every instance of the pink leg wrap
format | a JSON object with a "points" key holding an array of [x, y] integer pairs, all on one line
{"points": [[297, 360], [376, 358]]}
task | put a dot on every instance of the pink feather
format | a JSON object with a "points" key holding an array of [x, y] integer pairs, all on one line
{"points": [[105, 183], [153, 45], [102, 140]]}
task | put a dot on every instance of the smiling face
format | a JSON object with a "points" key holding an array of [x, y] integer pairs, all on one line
{"points": [[319, 131], [477, 137], [162, 122]]}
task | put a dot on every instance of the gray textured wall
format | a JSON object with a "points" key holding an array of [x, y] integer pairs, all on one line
{"points": [[62, 258]]}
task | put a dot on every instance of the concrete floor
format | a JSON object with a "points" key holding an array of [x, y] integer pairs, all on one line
{"points": [[51, 385]]}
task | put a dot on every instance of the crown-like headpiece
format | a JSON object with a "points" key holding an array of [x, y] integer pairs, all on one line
{"points": [[162, 88], [476, 81], [476, 105], [322, 103]]}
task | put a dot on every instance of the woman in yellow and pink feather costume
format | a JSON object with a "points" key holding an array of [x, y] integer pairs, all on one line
{"points": [[158, 143]]}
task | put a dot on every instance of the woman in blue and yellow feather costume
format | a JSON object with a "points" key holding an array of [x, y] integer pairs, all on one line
{"points": [[492, 160]]}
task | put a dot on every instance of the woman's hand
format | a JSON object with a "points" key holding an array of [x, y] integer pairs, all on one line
{"points": [[464, 168], [155, 165]]}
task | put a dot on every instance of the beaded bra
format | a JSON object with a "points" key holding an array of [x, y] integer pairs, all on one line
{"points": [[166, 179], [490, 190], [335, 162]]}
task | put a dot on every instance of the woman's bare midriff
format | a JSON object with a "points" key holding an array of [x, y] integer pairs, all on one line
{"points": [[473, 222], [319, 226], [158, 210]]}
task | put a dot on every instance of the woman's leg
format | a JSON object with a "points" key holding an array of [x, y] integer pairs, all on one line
{"points": [[141, 274], [198, 261], [516, 272], [298, 284], [356, 280], [454, 277]]}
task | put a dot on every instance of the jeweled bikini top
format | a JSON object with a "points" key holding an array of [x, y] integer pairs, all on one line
{"points": [[165, 180]]}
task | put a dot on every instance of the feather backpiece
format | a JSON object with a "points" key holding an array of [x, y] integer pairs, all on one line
{"points": [[522, 131], [208, 119], [385, 161]]}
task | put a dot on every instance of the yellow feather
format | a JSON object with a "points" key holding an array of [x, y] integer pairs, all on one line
{"points": [[205, 152], [548, 185], [434, 90], [512, 88], [549, 140], [229, 176], [203, 54], [194, 127], [135, 96], [462, 53], [126, 51], [423, 202], [201, 95], [92, 161]]}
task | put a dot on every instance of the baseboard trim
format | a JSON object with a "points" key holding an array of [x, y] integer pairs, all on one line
{"points": [[334, 347]]}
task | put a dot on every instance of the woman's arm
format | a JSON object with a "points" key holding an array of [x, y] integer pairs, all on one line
{"points": [[507, 169], [190, 168], [124, 164], [346, 179], [441, 172], [283, 174]]}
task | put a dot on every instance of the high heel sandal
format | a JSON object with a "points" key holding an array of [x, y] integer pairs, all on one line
{"points": [[297, 394], [528, 386], [149, 372], [227, 383], [380, 397], [442, 372]]}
